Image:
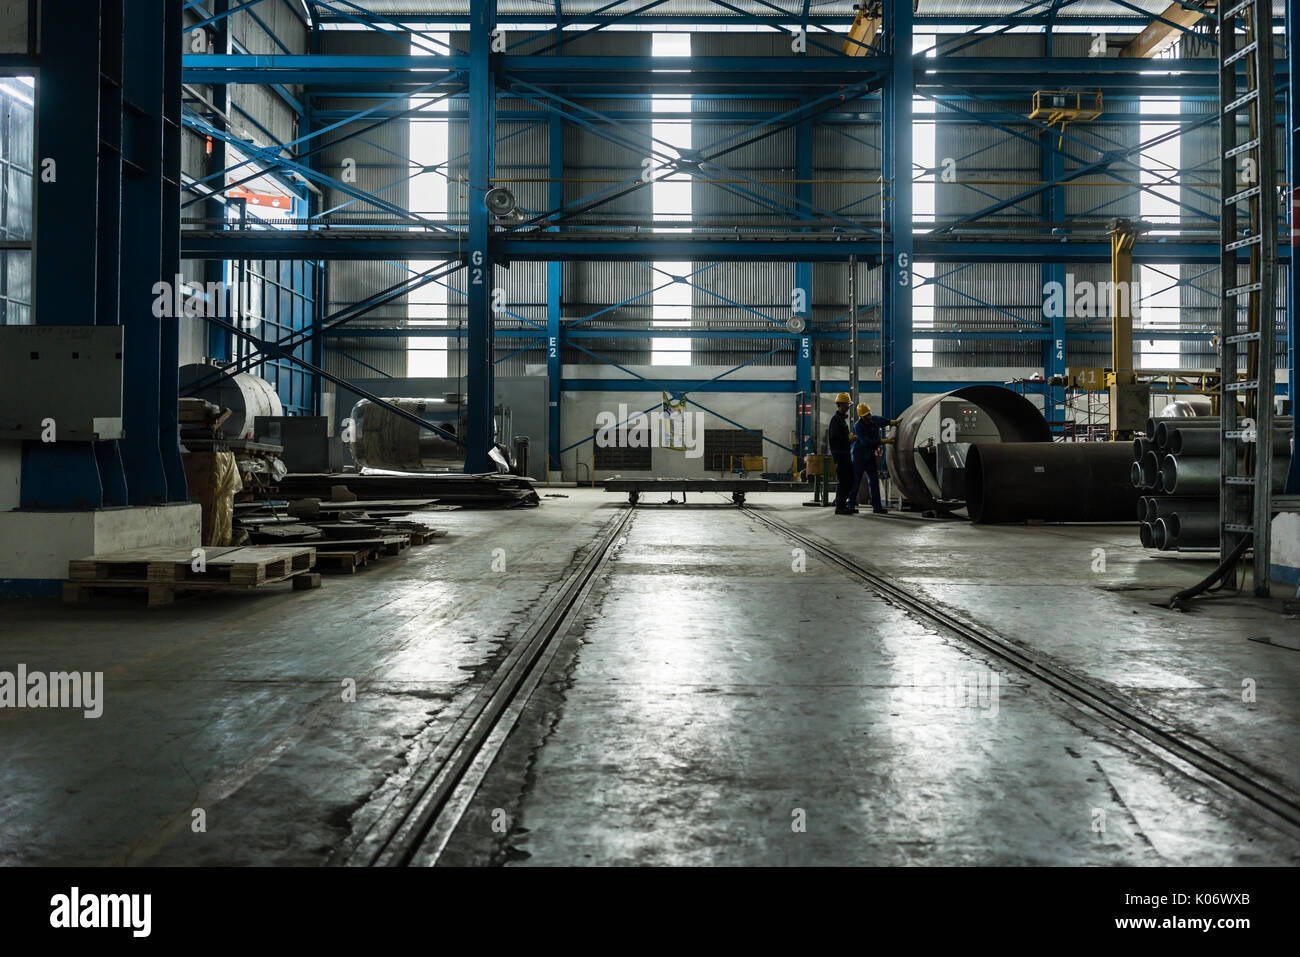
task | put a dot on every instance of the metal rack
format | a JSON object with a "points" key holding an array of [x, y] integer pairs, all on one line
{"points": [[1245, 486]]}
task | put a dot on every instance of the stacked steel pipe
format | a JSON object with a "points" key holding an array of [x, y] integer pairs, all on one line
{"points": [[1177, 467]]}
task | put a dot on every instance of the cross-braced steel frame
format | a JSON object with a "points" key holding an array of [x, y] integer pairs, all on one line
{"points": [[528, 77]]}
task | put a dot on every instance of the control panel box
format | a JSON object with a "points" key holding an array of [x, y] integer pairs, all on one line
{"points": [[64, 381]]}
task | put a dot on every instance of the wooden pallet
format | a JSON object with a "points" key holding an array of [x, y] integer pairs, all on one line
{"points": [[244, 565], [166, 593], [385, 544], [346, 560]]}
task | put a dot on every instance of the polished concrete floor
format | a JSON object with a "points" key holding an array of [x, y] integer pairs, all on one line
{"points": [[723, 700]]}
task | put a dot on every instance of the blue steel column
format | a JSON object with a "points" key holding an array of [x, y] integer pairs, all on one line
{"points": [[479, 348], [896, 273], [1292, 140], [169, 359], [214, 270], [65, 240], [142, 253], [554, 296], [1054, 352], [803, 281]]}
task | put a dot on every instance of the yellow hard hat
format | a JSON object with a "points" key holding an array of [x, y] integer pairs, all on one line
{"points": [[863, 409], [843, 397]]}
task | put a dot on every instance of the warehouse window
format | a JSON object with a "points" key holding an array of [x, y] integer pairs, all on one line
{"points": [[629, 451], [1160, 305], [16, 137], [671, 201], [426, 356], [723, 447]]}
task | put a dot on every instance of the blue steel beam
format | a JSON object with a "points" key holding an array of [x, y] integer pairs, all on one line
{"points": [[554, 292], [615, 247], [64, 474], [1292, 141], [142, 259], [789, 338], [482, 135], [897, 276], [1055, 360]]}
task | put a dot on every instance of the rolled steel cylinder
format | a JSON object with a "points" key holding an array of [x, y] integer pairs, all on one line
{"points": [[1160, 534], [1016, 418], [1192, 529], [1206, 441], [1199, 475], [1165, 429], [382, 440], [244, 394], [1159, 506], [1051, 482], [1135, 476], [1150, 470], [1146, 534], [1140, 448]]}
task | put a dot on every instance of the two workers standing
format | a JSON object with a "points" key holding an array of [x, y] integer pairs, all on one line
{"points": [[855, 457]]}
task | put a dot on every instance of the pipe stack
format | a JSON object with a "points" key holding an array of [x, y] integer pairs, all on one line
{"points": [[1176, 466]]}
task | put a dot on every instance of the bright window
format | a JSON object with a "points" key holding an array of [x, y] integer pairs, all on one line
{"points": [[426, 356], [671, 201]]}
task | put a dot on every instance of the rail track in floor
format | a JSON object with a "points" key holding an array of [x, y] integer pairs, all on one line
{"points": [[413, 828], [415, 825], [1230, 772]]}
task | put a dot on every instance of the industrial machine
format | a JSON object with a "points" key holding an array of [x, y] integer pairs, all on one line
{"points": [[929, 453], [378, 439]]}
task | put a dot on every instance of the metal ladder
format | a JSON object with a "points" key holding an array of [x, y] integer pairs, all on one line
{"points": [[1247, 179]]}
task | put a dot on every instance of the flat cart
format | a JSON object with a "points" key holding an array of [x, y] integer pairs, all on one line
{"points": [[634, 487]]}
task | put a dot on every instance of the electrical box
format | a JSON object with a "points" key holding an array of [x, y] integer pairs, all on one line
{"points": [[966, 422], [304, 439], [37, 365], [1130, 403]]}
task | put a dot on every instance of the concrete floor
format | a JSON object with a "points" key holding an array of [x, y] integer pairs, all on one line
{"points": [[716, 706]]}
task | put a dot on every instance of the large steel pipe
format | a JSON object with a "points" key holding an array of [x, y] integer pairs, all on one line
{"points": [[1206, 441], [1150, 470], [1164, 430], [1141, 447], [1192, 529], [1160, 534], [1180, 410], [1158, 506], [1015, 417], [381, 440], [1051, 482], [1199, 474]]}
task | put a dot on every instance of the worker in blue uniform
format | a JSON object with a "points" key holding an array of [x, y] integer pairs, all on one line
{"points": [[866, 450], [838, 439]]}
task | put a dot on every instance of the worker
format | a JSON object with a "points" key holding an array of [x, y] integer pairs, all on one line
{"points": [[867, 449], [838, 440]]}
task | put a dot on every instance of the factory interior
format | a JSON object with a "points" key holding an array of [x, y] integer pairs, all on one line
{"points": [[649, 433]]}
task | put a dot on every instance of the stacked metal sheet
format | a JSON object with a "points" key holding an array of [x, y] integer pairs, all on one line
{"points": [[1177, 466]]}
